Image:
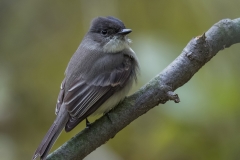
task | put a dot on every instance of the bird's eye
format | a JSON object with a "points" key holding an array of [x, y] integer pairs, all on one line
{"points": [[104, 32]]}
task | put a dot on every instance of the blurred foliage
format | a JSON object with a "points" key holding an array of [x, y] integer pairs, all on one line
{"points": [[37, 39]]}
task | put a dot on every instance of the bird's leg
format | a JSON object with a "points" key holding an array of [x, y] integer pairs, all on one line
{"points": [[88, 124], [108, 116]]}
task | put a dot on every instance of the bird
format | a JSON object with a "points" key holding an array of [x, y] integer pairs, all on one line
{"points": [[98, 76]]}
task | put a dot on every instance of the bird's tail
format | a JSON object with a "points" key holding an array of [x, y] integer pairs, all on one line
{"points": [[52, 135]]}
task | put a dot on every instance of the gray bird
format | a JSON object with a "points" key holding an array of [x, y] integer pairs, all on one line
{"points": [[98, 77]]}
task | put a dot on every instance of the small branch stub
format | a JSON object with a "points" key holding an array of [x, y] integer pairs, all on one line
{"points": [[173, 96]]}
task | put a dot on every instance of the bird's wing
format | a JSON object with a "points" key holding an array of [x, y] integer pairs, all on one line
{"points": [[84, 97]]}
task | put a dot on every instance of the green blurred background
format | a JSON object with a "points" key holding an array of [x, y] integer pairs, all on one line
{"points": [[37, 39]]}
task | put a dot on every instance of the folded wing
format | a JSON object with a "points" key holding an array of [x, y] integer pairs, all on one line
{"points": [[85, 97]]}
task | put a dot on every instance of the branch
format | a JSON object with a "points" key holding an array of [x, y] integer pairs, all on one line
{"points": [[159, 90]]}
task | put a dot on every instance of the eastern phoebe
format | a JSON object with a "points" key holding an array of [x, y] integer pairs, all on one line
{"points": [[98, 77]]}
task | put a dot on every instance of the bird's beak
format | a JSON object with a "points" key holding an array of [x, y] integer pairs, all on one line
{"points": [[125, 31]]}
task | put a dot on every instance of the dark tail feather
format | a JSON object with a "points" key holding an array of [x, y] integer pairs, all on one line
{"points": [[47, 142], [51, 136]]}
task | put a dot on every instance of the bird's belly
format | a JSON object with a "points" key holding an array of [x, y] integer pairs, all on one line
{"points": [[114, 99]]}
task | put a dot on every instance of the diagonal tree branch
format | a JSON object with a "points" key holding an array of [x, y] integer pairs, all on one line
{"points": [[159, 90]]}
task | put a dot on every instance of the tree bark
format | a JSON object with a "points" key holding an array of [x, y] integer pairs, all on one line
{"points": [[159, 90]]}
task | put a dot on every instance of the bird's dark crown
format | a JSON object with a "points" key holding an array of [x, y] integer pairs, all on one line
{"points": [[106, 23]]}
